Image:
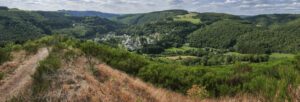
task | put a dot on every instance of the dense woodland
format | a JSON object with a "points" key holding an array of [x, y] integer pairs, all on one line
{"points": [[19, 26], [225, 54]]}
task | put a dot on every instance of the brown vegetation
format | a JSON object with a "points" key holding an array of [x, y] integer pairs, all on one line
{"points": [[9, 67], [76, 83], [21, 76]]}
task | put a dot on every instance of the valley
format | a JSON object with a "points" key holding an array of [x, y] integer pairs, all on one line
{"points": [[161, 56]]}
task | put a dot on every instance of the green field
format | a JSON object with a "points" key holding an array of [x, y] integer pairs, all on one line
{"points": [[191, 17], [281, 55], [183, 48]]}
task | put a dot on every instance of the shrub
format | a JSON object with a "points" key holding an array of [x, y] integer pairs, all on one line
{"points": [[297, 57], [31, 47], [1, 75], [117, 58], [16, 47], [152, 49], [71, 54], [4, 55], [242, 68], [197, 92], [262, 85]]}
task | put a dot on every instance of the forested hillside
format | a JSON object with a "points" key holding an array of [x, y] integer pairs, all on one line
{"points": [[247, 37], [272, 20], [222, 34], [149, 17], [89, 13], [19, 26]]}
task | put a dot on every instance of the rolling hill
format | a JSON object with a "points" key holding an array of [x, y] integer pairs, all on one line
{"points": [[271, 20], [19, 26], [88, 13], [149, 17], [171, 28]]}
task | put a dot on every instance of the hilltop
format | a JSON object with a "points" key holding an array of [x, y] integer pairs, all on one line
{"points": [[68, 74]]}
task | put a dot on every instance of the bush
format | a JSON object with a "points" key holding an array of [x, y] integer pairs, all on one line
{"points": [[262, 85], [197, 92], [31, 47], [263, 79], [71, 54], [242, 68], [4, 55], [297, 57], [117, 58], [152, 49], [1, 75]]}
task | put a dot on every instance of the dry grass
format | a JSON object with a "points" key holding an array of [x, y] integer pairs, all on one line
{"points": [[294, 93], [136, 90], [238, 98], [17, 58], [76, 83], [9, 67], [21, 77]]}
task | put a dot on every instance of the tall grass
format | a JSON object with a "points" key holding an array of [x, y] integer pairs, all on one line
{"points": [[46, 68], [1, 75]]}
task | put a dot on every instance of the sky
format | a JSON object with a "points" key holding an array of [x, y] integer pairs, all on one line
{"points": [[237, 7]]}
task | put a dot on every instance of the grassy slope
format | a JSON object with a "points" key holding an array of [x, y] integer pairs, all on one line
{"points": [[191, 17], [75, 79]]}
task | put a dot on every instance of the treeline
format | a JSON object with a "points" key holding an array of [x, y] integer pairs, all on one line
{"points": [[212, 57], [220, 59]]}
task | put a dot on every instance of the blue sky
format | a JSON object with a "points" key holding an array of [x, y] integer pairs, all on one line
{"points": [[239, 7]]}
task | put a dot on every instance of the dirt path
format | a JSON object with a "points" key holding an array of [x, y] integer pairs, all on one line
{"points": [[21, 76]]}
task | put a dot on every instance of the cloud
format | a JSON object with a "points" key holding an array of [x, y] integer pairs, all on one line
{"points": [[240, 7], [175, 2]]}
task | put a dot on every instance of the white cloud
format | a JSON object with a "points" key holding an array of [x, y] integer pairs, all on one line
{"points": [[138, 6]]}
